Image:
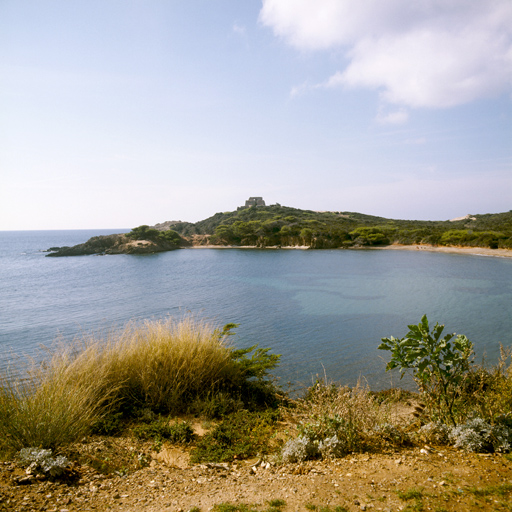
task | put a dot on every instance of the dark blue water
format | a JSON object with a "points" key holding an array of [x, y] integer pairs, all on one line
{"points": [[324, 311]]}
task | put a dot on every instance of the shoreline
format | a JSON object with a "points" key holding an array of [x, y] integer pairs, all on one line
{"points": [[471, 251]]}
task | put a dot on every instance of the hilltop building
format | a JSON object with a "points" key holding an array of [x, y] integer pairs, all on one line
{"points": [[252, 201]]}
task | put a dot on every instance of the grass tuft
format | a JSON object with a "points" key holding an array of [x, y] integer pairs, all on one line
{"points": [[54, 403], [159, 366]]}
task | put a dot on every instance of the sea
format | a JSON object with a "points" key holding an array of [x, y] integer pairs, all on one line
{"points": [[324, 311]]}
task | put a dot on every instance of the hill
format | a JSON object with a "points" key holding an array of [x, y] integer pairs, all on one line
{"points": [[270, 226]]}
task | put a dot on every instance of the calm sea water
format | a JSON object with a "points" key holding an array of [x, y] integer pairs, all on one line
{"points": [[324, 311]]}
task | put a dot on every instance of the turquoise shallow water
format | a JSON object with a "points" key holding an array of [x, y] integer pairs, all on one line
{"points": [[324, 311]]}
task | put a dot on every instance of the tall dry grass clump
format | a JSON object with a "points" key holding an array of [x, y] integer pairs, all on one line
{"points": [[486, 392], [53, 403], [356, 405], [163, 364]]}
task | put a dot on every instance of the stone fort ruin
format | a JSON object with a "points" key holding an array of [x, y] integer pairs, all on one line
{"points": [[253, 201]]}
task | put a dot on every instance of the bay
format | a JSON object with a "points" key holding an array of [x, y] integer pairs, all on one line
{"points": [[324, 311]]}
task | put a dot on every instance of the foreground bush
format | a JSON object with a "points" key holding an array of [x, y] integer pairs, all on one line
{"points": [[453, 388], [159, 366], [439, 365]]}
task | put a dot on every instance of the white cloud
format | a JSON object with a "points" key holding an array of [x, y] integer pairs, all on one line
{"points": [[426, 53]]}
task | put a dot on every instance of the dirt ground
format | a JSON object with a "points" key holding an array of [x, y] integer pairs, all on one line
{"points": [[438, 479]]}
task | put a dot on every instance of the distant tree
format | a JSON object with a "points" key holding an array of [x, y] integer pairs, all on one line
{"points": [[307, 235], [171, 236], [144, 232]]}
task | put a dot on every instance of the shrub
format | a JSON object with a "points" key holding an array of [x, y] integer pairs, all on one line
{"points": [[299, 450], [162, 366], [439, 366], [435, 432], [334, 421], [479, 436], [239, 436], [161, 429], [166, 365], [334, 435], [487, 392]]}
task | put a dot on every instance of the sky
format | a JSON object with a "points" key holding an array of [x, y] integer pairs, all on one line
{"points": [[117, 113]]}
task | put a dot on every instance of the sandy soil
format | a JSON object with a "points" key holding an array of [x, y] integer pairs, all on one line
{"points": [[441, 479]]}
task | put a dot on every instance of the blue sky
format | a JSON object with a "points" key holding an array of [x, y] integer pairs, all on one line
{"points": [[116, 113]]}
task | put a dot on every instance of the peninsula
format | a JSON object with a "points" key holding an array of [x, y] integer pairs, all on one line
{"points": [[260, 226]]}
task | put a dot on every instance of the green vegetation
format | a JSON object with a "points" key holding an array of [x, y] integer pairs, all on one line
{"points": [[270, 226], [144, 232], [163, 430], [455, 390], [326, 508], [439, 365], [55, 404], [239, 436], [229, 507], [492, 490], [411, 494]]}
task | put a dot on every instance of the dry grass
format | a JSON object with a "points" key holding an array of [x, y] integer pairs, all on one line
{"points": [[156, 364], [487, 392], [53, 405], [357, 404], [353, 414], [162, 364]]}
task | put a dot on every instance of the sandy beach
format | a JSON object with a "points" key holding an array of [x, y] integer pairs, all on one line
{"points": [[474, 251]]}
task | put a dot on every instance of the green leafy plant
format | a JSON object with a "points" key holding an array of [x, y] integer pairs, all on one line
{"points": [[439, 365], [238, 436], [161, 429]]}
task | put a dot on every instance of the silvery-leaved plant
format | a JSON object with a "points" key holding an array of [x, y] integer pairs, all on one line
{"points": [[332, 447], [41, 461], [298, 450], [477, 435]]}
